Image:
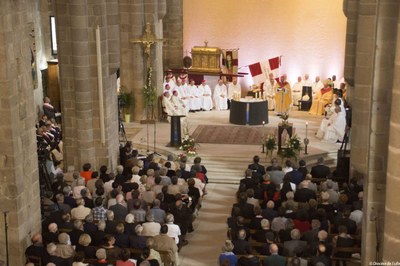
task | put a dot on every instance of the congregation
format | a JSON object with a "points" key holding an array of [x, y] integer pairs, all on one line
{"points": [[139, 215], [292, 216]]}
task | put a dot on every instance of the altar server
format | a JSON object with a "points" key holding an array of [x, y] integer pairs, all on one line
{"points": [[220, 96]]}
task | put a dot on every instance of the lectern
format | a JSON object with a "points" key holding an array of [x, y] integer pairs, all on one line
{"points": [[176, 137]]}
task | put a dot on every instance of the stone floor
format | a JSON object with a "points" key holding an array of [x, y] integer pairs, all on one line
{"points": [[225, 165]]}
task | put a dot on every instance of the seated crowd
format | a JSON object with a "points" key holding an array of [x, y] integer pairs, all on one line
{"points": [[139, 215], [288, 216]]}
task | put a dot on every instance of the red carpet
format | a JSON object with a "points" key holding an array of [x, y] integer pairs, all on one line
{"points": [[244, 135]]}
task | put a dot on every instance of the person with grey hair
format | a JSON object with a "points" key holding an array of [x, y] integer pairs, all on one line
{"points": [[119, 209], [173, 229], [227, 254], [137, 240], [150, 228], [76, 232], [240, 244], [158, 213], [295, 246], [77, 177], [64, 248], [52, 235], [135, 175], [97, 238], [52, 257], [320, 170], [80, 212], [165, 180]]}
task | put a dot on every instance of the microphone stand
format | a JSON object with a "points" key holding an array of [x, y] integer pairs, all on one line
{"points": [[6, 236], [155, 135]]}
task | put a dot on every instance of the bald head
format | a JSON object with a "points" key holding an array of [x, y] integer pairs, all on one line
{"points": [[273, 249]]}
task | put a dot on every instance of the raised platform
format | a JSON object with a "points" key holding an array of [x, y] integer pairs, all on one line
{"points": [[226, 163]]}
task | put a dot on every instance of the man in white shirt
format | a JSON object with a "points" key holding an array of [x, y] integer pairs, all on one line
{"points": [[180, 107], [297, 91], [220, 96], [336, 83], [205, 91]]}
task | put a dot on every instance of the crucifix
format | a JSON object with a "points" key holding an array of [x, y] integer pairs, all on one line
{"points": [[147, 40]]}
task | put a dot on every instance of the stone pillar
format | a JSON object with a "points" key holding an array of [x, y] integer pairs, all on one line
{"points": [[371, 100], [133, 17], [19, 190], [173, 32], [77, 21], [391, 239]]}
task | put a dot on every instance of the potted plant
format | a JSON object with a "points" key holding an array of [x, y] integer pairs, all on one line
{"points": [[126, 103], [149, 95], [270, 143], [292, 149]]}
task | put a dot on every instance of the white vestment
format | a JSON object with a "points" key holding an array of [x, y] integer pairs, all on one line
{"points": [[297, 90], [232, 88], [205, 91], [307, 83], [183, 95], [220, 97], [333, 128], [269, 93], [179, 106], [194, 97]]}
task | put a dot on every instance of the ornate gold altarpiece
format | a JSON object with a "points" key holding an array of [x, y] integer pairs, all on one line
{"points": [[206, 59]]}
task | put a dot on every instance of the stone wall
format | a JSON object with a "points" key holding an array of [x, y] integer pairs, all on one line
{"points": [[173, 32], [76, 30], [370, 50], [19, 190], [133, 17], [391, 238]]}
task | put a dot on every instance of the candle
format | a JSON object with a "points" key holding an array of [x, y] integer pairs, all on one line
{"points": [[263, 123], [100, 86]]}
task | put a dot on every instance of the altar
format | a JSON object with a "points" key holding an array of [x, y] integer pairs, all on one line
{"points": [[248, 112]]}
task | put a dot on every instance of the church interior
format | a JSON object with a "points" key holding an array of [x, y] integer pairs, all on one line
{"points": [[104, 69]]}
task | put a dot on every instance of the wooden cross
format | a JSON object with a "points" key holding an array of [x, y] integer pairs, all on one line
{"points": [[147, 40]]}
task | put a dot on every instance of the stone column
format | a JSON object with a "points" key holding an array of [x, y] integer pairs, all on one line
{"points": [[391, 239], [133, 17], [371, 100], [19, 190], [173, 32], [77, 21]]}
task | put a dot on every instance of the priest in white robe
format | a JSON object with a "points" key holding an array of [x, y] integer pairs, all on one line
{"points": [[220, 96], [306, 81], [332, 129], [234, 88], [168, 106], [194, 97], [179, 106], [297, 90], [205, 91], [182, 93], [269, 92]]}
